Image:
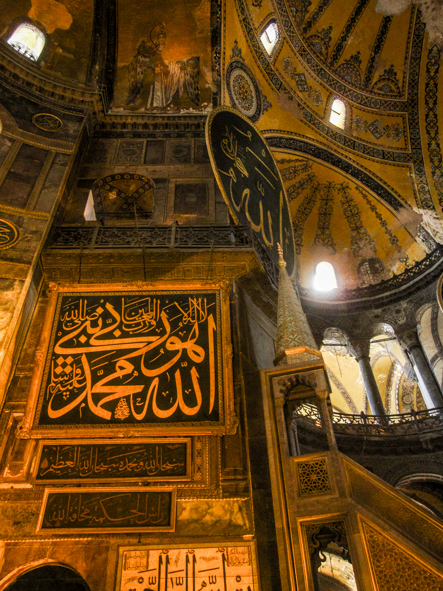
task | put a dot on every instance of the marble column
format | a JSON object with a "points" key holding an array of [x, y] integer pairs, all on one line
{"points": [[360, 350], [429, 387]]}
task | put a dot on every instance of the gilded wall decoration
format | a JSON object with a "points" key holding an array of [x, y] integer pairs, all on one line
{"points": [[346, 32], [243, 90], [431, 118], [164, 56], [376, 50], [395, 568], [377, 129], [229, 566], [387, 82], [301, 82], [323, 236], [360, 237], [90, 461], [350, 70], [131, 358], [8, 234], [105, 510]]}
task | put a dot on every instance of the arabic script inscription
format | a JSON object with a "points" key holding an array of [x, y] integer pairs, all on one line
{"points": [[218, 568], [107, 508], [160, 460], [133, 357]]}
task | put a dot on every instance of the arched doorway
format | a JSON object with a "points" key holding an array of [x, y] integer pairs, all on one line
{"points": [[50, 577]]}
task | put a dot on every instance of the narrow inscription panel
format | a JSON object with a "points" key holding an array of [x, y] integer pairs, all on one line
{"points": [[133, 358], [225, 567], [109, 461], [71, 510]]}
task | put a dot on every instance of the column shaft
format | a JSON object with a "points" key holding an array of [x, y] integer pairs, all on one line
{"points": [[372, 391], [428, 385]]}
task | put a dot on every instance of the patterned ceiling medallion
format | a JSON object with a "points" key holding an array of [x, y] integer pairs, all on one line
{"points": [[8, 234], [47, 122], [243, 90]]}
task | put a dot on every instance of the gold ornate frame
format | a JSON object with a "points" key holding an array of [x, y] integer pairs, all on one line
{"points": [[227, 423], [42, 442]]}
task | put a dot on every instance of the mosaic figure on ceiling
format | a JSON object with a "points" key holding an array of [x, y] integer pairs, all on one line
{"points": [[154, 82]]}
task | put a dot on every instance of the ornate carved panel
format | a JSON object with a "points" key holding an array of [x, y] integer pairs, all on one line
{"points": [[313, 477], [394, 568]]}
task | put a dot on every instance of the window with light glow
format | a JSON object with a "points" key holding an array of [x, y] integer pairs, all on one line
{"points": [[338, 113], [28, 40], [269, 37], [89, 213], [324, 279]]}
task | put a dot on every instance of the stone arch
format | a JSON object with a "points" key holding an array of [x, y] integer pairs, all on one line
{"points": [[44, 575], [426, 489]]}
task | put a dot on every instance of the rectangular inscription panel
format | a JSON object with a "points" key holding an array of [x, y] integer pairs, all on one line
{"points": [[68, 461], [70, 510], [125, 358], [226, 566]]}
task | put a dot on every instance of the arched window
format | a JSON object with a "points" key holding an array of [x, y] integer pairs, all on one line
{"points": [[270, 37], [337, 115], [28, 40], [324, 279]]}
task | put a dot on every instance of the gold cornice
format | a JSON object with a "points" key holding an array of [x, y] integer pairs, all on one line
{"points": [[36, 215]]}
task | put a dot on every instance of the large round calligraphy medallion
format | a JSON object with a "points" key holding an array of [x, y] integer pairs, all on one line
{"points": [[8, 234], [250, 182]]}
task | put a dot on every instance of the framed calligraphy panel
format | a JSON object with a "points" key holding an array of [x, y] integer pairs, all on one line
{"points": [[74, 510], [250, 182], [229, 566], [133, 360], [106, 460]]}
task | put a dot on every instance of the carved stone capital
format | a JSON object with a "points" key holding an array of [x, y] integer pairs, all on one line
{"points": [[358, 348], [409, 339]]}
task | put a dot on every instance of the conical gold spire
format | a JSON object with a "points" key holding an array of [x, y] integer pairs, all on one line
{"points": [[295, 343]]}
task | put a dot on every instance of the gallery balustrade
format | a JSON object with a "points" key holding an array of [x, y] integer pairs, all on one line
{"points": [[394, 425]]}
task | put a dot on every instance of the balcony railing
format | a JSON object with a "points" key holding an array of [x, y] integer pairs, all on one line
{"points": [[411, 423], [174, 236]]}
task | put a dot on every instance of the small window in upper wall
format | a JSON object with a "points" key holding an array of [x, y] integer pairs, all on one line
{"points": [[28, 40], [324, 279], [338, 113], [270, 36]]}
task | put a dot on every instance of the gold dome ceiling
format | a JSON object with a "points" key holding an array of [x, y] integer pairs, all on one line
{"points": [[353, 193]]}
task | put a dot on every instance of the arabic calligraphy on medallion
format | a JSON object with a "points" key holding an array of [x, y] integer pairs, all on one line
{"points": [[250, 182], [133, 358], [156, 460], [222, 568], [112, 509], [8, 234]]}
